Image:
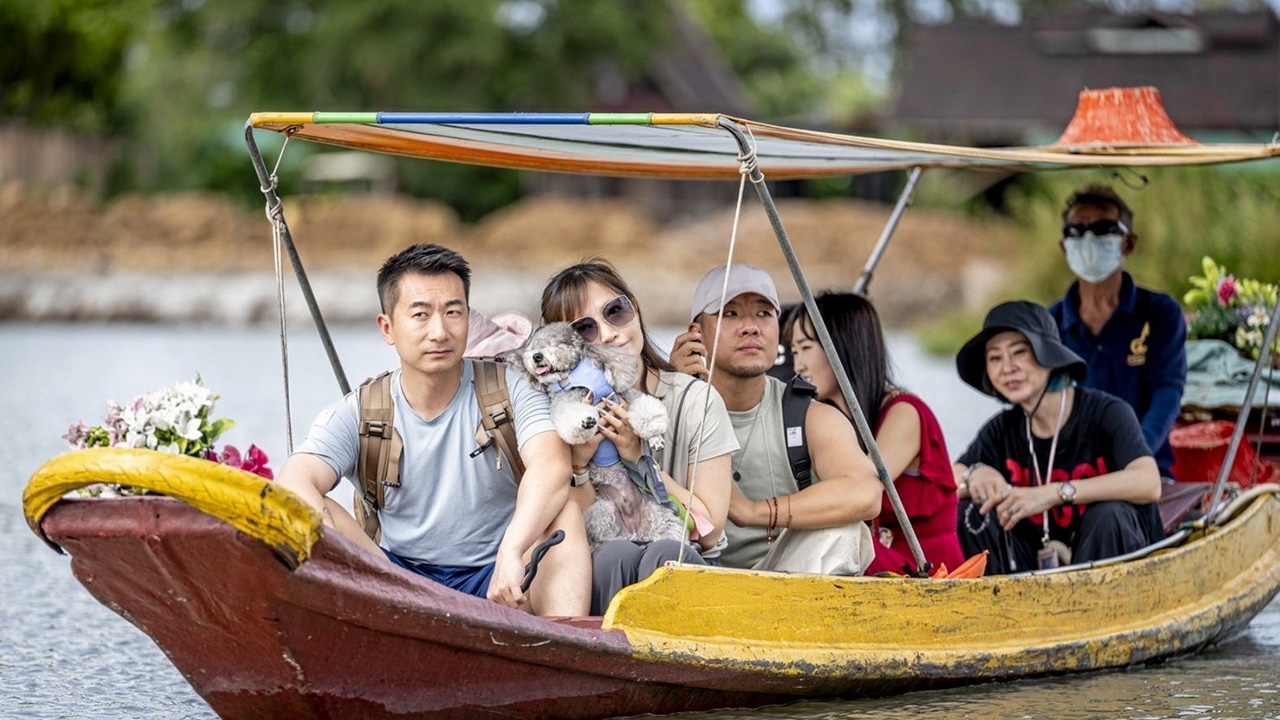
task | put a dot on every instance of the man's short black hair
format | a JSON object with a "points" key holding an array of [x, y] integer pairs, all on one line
{"points": [[423, 259], [1100, 196]]}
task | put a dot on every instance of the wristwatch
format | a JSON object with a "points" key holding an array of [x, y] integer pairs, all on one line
{"points": [[580, 477], [1067, 492]]}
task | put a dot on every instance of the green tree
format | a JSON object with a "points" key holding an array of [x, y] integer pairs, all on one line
{"points": [[62, 60], [778, 77], [205, 66]]}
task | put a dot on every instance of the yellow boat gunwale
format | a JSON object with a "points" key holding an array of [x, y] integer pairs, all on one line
{"points": [[252, 504], [810, 627], [820, 626]]}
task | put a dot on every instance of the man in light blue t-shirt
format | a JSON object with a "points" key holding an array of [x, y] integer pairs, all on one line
{"points": [[457, 519]]}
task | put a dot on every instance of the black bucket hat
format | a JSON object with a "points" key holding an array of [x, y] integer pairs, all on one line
{"points": [[1041, 331]]}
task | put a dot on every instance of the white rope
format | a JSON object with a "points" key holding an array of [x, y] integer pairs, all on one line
{"points": [[746, 163], [275, 213]]}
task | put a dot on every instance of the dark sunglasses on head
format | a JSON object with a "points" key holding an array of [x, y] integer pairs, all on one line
{"points": [[1097, 227], [618, 312]]}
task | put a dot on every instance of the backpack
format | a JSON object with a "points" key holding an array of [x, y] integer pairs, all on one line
{"points": [[378, 464], [795, 405]]}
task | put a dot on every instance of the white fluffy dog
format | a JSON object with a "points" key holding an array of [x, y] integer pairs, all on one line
{"points": [[577, 375]]}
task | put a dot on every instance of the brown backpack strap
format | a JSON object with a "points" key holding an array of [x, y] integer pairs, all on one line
{"points": [[497, 417], [378, 464]]}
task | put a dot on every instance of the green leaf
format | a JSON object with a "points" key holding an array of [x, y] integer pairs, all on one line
{"points": [[217, 427], [1210, 268]]}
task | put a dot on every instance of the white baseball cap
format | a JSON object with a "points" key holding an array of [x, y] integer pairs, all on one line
{"points": [[743, 279]]}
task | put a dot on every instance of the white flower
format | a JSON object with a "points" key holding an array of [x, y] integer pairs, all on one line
{"points": [[193, 430]]}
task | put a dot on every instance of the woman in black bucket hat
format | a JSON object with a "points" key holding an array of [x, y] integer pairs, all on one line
{"points": [[1062, 476]]}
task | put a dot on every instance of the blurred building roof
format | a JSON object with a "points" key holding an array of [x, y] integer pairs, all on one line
{"points": [[988, 83]]}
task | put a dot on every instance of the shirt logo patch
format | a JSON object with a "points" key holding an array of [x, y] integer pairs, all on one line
{"points": [[1138, 347]]}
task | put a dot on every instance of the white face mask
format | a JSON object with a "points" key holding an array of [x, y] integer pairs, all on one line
{"points": [[1093, 258]]}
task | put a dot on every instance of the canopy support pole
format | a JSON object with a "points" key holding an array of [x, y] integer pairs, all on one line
{"points": [[890, 227], [1242, 417], [267, 183], [747, 151]]}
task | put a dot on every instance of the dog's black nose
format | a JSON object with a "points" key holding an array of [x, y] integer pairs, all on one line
{"points": [[537, 357]]}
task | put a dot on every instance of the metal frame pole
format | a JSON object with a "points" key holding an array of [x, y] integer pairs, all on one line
{"points": [[276, 210], [846, 388], [890, 227], [1242, 417]]}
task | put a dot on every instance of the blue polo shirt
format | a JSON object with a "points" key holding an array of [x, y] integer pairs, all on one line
{"points": [[1140, 357]]}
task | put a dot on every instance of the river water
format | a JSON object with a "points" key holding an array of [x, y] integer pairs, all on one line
{"points": [[66, 656]]}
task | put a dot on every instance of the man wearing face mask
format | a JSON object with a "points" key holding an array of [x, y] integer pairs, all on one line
{"points": [[1133, 339]]}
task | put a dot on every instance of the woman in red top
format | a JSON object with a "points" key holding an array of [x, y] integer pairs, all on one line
{"points": [[907, 433]]}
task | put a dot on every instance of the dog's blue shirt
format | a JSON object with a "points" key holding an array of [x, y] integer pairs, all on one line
{"points": [[589, 375]]}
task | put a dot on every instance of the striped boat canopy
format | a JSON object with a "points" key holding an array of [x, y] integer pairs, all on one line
{"points": [[694, 146]]}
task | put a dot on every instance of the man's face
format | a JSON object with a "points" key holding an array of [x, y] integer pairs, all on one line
{"points": [[1088, 214], [428, 325], [748, 342]]}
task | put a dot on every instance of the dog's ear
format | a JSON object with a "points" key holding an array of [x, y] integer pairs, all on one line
{"points": [[515, 357]]}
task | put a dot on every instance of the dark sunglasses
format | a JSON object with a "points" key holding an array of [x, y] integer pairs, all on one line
{"points": [[1097, 227], [618, 312]]}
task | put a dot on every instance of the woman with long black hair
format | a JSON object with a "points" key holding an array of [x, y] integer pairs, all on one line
{"points": [[907, 432]]}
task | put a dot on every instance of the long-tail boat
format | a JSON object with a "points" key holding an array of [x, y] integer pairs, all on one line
{"points": [[268, 616]]}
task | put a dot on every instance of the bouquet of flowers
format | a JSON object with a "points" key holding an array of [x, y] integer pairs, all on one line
{"points": [[1224, 307], [174, 420]]}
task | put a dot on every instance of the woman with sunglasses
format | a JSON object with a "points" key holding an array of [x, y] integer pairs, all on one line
{"points": [[697, 446], [906, 430]]}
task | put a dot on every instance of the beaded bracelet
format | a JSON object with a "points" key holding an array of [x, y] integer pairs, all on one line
{"points": [[772, 504]]}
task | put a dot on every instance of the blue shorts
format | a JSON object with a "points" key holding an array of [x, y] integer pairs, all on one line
{"points": [[470, 580]]}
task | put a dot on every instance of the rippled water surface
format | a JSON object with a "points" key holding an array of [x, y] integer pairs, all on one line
{"points": [[63, 655]]}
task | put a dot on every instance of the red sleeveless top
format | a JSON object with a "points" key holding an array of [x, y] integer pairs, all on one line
{"points": [[929, 496]]}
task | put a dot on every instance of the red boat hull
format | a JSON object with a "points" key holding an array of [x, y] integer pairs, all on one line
{"points": [[345, 636]]}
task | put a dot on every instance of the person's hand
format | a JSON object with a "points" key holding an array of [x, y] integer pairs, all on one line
{"points": [[743, 511], [581, 454], [504, 585], [987, 487], [689, 354], [615, 425], [1025, 502]]}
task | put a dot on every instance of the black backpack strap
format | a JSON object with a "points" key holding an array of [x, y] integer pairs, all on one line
{"points": [[795, 407], [497, 417]]}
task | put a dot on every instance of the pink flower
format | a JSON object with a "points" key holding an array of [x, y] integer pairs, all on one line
{"points": [[1226, 290], [254, 460], [257, 462], [76, 434]]}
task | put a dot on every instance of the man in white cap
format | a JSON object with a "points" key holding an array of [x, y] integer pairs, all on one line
{"points": [[774, 523]]}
